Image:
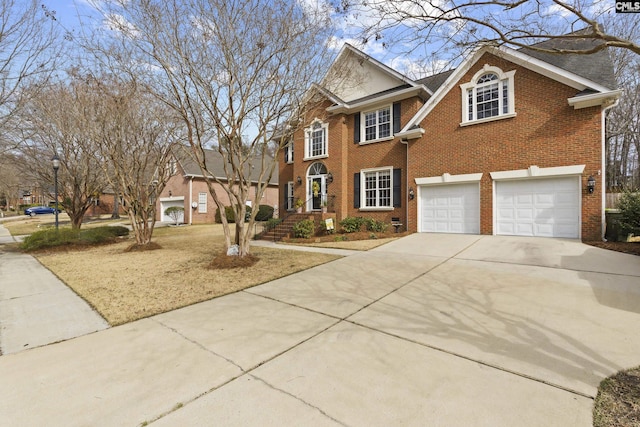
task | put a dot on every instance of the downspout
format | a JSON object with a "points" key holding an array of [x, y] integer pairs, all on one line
{"points": [[603, 180], [190, 201], [406, 190]]}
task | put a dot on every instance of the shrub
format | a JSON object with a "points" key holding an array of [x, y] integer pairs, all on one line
{"points": [[67, 236], [101, 234], [265, 213], [376, 226], [351, 224], [118, 230], [272, 223], [175, 213], [49, 238], [629, 206], [231, 215], [303, 229]]}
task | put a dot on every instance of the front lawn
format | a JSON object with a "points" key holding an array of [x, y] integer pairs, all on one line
{"points": [[126, 286]]}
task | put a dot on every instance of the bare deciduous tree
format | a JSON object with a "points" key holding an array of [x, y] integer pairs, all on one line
{"points": [[623, 121], [234, 71], [134, 135], [59, 119], [516, 23], [10, 182], [29, 52]]}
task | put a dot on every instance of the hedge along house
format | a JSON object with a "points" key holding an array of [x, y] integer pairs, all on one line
{"points": [[509, 143], [187, 188]]}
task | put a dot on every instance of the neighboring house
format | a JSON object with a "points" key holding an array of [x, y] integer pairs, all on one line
{"points": [[187, 188], [505, 144]]}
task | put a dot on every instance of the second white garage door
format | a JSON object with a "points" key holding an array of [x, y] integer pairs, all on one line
{"points": [[540, 207], [450, 208]]}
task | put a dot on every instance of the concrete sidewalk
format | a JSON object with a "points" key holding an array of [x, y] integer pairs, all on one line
{"points": [[5, 236], [426, 330], [36, 308]]}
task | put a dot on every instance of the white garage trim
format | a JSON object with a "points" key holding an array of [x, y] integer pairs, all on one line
{"points": [[541, 207], [535, 171], [449, 208], [449, 179], [166, 202]]}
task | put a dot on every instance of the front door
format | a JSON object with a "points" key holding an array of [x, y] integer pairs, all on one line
{"points": [[316, 196], [317, 191], [316, 186]]}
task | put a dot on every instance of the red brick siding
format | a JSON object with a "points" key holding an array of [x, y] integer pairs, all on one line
{"points": [[346, 158], [178, 185], [546, 132]]}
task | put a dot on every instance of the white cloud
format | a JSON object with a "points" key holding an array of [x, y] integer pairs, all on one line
{"points": [[119, 24]]}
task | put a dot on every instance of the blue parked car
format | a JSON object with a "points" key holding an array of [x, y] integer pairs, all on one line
{"points": [[36, 210]]}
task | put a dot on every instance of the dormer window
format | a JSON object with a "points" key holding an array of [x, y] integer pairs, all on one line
{"points": [[488, 96], [315, 140]]}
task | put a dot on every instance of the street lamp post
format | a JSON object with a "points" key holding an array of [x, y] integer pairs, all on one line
{"points": [[56, 166]]}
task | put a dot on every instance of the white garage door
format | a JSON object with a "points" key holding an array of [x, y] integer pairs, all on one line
{"points": [[541, 207], [450, 208], [167, 204]]}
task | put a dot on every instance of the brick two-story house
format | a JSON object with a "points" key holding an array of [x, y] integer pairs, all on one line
{"points": [[511, 143]]}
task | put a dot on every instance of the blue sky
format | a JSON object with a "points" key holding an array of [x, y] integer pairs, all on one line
{"points": [[413, 58]]}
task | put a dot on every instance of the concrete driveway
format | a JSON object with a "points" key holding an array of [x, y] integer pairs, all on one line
{"points": [[436, 330]]}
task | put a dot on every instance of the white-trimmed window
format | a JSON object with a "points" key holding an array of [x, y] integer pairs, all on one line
{"points": [[202, 202], [289, 196], [377, 124], [315, 140], [488, 96], [288, 152], [377, 188]]}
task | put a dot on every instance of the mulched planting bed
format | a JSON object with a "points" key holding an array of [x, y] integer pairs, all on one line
{"points": [[346, 237], [626, 247]]}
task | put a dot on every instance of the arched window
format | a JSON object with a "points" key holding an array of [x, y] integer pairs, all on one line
{"points": [[488, 96], [318, 168]]}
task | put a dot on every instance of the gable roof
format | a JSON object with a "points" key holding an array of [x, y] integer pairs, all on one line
{"points": [[596, 66], [355, 78], [435, 81], [214, 163], [348, 49], [593, 92]]}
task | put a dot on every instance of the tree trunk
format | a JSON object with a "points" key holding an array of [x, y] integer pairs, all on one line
{"points": [[116, 206]]}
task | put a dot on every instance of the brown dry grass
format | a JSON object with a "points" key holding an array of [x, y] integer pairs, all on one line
{"points": [[126, 286], [27, 225], [618, 401]]}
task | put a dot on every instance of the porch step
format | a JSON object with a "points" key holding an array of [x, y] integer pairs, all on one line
{"points": [[285, 228]]}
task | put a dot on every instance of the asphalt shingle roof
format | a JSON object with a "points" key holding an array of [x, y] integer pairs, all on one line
{"points": [[596, 67], [215, 165]]}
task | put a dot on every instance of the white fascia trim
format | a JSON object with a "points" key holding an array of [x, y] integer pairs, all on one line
{"points": [[444, 89], [328, 94], [410, 134], [605, 99], [172, 199], [449, 179], [556, 73], [382, 100], [536, 172], [377, 63]]}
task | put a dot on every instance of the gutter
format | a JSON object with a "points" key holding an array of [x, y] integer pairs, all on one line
{"points": [[605, 99], [390, 97], [603, 182]]}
